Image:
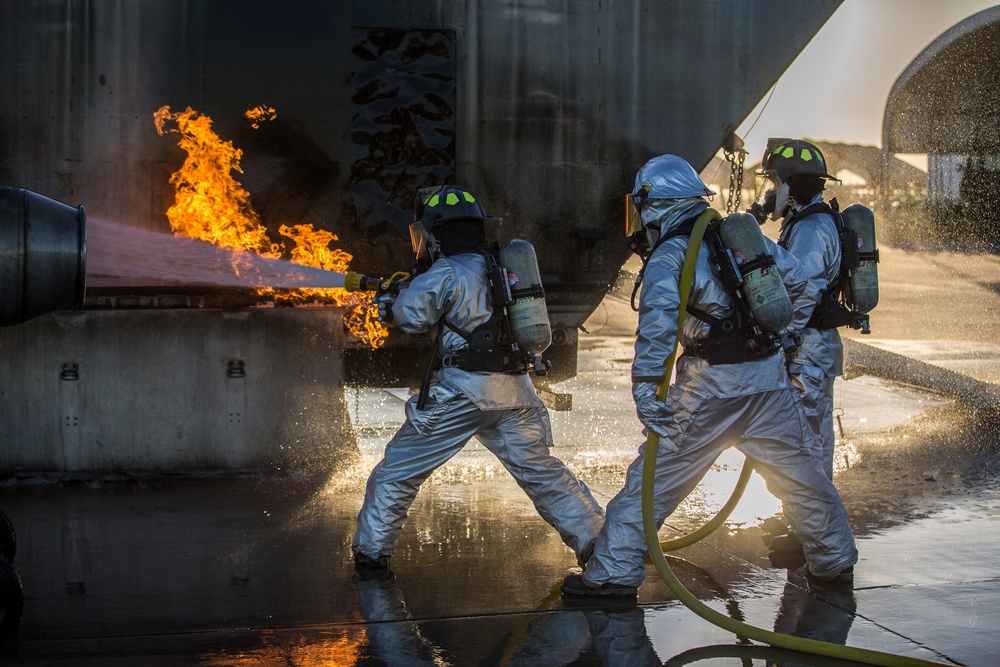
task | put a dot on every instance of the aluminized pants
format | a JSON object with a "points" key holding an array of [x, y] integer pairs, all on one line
{"points": [[816, 389], [519, 437], [770, 429]]}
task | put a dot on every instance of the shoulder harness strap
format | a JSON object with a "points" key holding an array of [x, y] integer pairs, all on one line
{"points": [[833, 209], [829, 312], [683, 229]]}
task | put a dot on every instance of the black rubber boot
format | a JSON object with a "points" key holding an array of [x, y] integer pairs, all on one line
{"points": [[575, 584], [361, 560], [844, 578], [786, 552]]}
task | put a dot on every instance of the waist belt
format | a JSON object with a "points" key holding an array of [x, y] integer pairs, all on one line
{"points": [[694, 350], [456, 360], [829, 313], [700, 350], [460, 360]]}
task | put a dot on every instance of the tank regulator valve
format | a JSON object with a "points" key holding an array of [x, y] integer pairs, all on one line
{"points": [[541, 366]]}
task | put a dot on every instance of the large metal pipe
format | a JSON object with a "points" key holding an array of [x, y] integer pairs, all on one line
{"points": [[43, 255]]}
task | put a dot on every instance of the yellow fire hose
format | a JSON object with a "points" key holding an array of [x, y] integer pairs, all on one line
{"points": [[738, 628], [687, 540]]}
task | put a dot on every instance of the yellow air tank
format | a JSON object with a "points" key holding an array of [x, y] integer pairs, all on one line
{"points": [[529, 317], [861, 282], [762, 287]]}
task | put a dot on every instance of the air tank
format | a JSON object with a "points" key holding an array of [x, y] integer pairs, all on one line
{"points": [[861, 283], [43, 251], [529, 317], [762, 288]]}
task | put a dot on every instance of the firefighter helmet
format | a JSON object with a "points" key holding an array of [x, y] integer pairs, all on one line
{"points": [[445, 203], [436, 205], [668, 177], [794, 157]]}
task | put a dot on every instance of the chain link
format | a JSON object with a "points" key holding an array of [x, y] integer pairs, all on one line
{"points": [[735, 178]]}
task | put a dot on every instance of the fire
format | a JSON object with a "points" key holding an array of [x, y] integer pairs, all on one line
{"points": [[211, 205], [260, 114]]}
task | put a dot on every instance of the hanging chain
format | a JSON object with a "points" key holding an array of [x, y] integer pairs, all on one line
{"points": [[735, 160]]}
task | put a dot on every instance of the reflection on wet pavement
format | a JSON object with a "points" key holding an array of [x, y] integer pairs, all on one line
{"points": [[256, 570]]}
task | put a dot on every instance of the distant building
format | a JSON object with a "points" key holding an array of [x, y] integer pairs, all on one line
{"points": [[946, 104], [944, 178]]}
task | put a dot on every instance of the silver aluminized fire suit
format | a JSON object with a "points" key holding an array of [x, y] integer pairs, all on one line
{"points": [[815, 242], [502, 410], [750, 405]]}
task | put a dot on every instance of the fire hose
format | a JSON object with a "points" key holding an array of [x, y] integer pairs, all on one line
{"points": [[739, 628]]}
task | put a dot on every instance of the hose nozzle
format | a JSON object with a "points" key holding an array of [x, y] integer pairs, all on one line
{"points": [[358, 282]]}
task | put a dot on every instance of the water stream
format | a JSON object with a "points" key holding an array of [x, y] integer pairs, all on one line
{"points": [[122, 255]]}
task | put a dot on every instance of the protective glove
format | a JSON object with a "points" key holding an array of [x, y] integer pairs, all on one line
{"points": [[653, 413], [384, 303]]}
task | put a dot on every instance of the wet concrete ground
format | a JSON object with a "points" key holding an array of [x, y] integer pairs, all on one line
{"points": [[256, 570]]}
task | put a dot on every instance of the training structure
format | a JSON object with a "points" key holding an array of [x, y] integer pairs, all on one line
{"points": [[544, 110]]}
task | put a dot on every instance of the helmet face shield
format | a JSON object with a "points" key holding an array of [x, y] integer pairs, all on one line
{"points": [[766, 183], [633, 211], [422, 241], [420, 200]]}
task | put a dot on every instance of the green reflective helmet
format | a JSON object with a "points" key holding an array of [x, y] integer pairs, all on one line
{"points": [[436, 205], [444, 203], [794, 157]]}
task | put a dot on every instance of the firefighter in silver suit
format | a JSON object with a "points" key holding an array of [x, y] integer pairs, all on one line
{"points": [[793, 175], [750, 405], [501, 409]]}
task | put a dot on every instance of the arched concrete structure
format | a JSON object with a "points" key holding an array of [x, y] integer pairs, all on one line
{"points": [[947, 101], [946, 104]]}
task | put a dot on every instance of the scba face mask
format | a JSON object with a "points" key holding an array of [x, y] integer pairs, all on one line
{"points": [[425, 246], [772, 194]]}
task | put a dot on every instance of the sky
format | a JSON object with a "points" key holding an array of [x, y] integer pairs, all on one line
{"points": [[837, 88]]}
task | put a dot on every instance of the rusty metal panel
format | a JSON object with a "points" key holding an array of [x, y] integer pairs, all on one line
{"points": [[554, 106]]}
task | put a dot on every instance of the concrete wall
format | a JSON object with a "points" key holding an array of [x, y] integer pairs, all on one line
{"points": [[174, 390]]}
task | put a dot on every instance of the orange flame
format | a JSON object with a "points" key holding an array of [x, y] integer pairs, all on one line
{"points": [[211, 205], [260, 114]]}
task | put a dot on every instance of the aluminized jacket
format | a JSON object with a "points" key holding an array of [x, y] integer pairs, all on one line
{"points": [[815, 242], [501, 410], [660, 299], [750, 405], [455, 288]]}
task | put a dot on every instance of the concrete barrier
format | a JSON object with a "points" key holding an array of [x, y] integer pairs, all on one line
{"points": [[174, 390], [860, 359]]}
